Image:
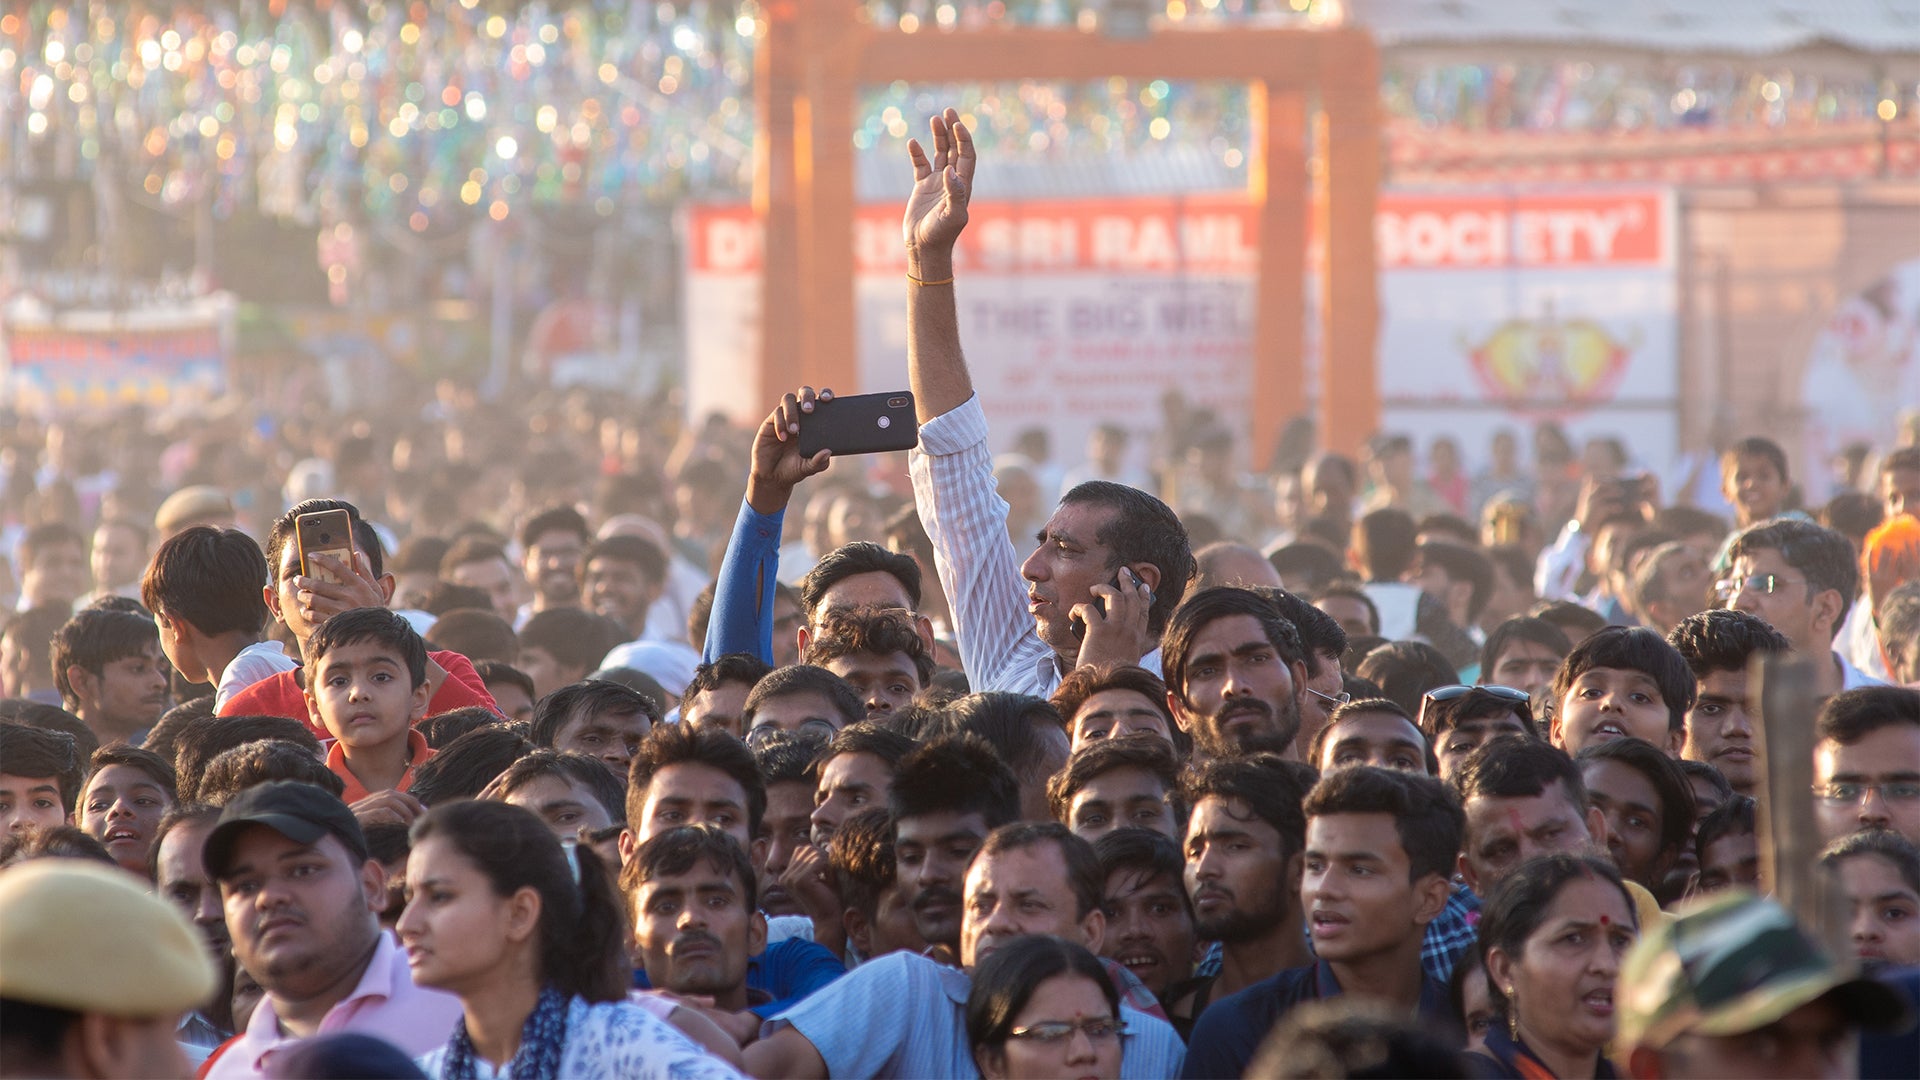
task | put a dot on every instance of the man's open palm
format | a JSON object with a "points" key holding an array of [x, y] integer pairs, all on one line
{"points": [[937, 210]]}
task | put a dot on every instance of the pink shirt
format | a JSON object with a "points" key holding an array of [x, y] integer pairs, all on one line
{"points": [[385, 1005]]}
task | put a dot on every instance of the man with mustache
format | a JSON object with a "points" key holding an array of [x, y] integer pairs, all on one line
{"points": [[303, 902], [1243, 845], [946, 797], [1236, 674], [1378, 854], [696, 923], [111, 673]]}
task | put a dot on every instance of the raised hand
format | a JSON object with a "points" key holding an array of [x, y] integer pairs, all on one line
{"points": [[777, 463], [937, 210]]}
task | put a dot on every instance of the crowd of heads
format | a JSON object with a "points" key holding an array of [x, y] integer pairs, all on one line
{"points": [[1370, 704]]}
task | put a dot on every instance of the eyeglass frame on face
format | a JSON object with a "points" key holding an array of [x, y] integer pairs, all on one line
{"points": [[1726, 588], [1825, 792], [760, 733], [1095, 1028], [1333, 701]]}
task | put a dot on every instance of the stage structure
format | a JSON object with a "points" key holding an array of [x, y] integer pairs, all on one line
{"points": [[1316, 148]]}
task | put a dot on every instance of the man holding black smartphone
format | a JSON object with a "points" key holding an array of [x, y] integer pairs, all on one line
{"points": [[1112, 559]]}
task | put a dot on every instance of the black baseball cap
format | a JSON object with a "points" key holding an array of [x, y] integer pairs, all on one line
{"points": [[298, 811]]}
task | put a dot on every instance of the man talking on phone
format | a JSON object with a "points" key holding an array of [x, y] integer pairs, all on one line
{"points": [[1112, 561]]}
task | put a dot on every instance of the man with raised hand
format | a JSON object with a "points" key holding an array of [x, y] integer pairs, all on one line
{"points": [[1112, 562]]}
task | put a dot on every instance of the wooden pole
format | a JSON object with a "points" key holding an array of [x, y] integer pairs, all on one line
{"points": [[1789, 838]]}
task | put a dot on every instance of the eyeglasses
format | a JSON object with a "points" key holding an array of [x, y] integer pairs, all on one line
{"points": [[1332, 700], [1095, 1028], [1460, 690], [1764, 584], [808, 729], [1851, 793]]}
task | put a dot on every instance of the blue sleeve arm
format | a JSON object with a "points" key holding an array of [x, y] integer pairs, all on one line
{"points": [[802, 968], [742, 619]]}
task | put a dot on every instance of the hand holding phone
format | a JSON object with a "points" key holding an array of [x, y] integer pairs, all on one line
{"points": [[1119, 634], [324, 532], [862, 424]]}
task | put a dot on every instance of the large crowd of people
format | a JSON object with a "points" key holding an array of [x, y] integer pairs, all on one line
{"points": [[575, 761]]}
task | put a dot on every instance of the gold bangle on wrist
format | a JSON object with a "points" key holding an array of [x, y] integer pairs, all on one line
{"points": [[923, 284]]}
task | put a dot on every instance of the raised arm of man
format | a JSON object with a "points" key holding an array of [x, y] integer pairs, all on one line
{"points": [[742, 619]]}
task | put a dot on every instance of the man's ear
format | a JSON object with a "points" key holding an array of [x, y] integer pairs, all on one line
{"points": [[1148, 574], [387, 584], [1432, 893], [804, 637], [1179, 710], [1466, 873], [756, 934], [628, 843], [86, 685], [373, 885], [1094, 928], [1553, 731], [1827, 610], [1597, 828], [921, 625], [273, 603], [1677, 740]]}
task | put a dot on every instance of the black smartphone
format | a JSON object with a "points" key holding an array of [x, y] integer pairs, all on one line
{"points": [[1079, 624], [861, 424]]}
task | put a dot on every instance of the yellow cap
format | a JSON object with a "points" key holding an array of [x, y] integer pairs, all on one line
{"points": [[82, 936]]}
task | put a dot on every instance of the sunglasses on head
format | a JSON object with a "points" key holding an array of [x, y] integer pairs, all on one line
{"points": [[1460, 690]]}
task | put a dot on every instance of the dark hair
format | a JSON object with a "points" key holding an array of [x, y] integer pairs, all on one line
{"points": [[204, 738], [686, 744], [445, 597], [35, 752], [1426, 813], [1895, 849], [1272, 788], [240, 767], [1756, 446], [442, 728], [1220, 602], [1632, 648], [637, 551], [1518, 904], [1700, 770], [54, 842], [379, 626], [733, 667], [1467, 965], [93, 639], [568, 766], [1406, 670], [164, 736], [1853, 514], [1735, 817], [286, 526], [1852, 715], [575, 637], [474, 633], [1102, 756], [786, 757], [1360, 706], [1723, 639], [419, 555], [875, 631], [1387, 539], [54, 718], [388, 842], [1304, 564], [1081, 867], [1089, 679], [1511, 767], [583, 926], [582, 701], [1823, 555], [958, 774], [858, 557], [157, 768], [32, 633], [806, 679], [1677, 804], [1462, 563], [1354, 1038], [472, 549], [1004, 982], [212, 578], [554, 519], [1573, 620], [1015, 725], [1142, 530], [1350, 591], [464, 767], [1320, 633], [1146, 852], [866, 738], [679, 849], [1439, 717], [861, 856], [496, 671]]}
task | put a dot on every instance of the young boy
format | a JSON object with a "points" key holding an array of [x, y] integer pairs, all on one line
{"points": [[1728, 849], [204, 588], [1647, 803], [1717, 645], [1621, 681], [368, 685]]}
